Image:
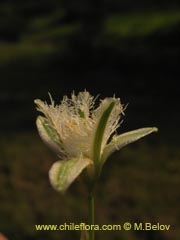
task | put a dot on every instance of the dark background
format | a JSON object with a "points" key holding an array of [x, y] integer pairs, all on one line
{"points": [[127, 48]]}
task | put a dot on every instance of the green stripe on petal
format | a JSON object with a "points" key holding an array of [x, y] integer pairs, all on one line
{"points": [[63, 173], [124, 139], [100, 130], [48, 134]]}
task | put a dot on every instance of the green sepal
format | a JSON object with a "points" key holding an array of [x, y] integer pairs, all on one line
{"points": [[48, 134], [124, 139], [63, 173], [100, 129]]}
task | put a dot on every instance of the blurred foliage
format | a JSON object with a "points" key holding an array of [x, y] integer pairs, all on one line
{"points": [[42, 40], [141, 24], [14, 52], [66, 27], [139, 183]]}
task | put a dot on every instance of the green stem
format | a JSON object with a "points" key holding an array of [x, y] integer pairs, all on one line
{"points": [[91, 214]]}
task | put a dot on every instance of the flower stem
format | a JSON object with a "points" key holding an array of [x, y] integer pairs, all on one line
{"points": [[91, 215]]}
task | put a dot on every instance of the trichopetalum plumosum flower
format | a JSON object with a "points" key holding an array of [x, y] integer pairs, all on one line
{"points": [[83, 136], [79, 133]]}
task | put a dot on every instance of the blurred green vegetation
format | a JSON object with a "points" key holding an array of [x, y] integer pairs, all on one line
{"points": [[32, 30], [139, 183], [141, 24], [45, 37]]}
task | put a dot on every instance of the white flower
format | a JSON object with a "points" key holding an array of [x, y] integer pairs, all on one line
{"points": [[79, 133]]}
